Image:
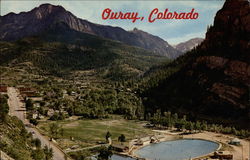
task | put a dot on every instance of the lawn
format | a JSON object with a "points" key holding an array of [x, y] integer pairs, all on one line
{"points": [[88, 132]]}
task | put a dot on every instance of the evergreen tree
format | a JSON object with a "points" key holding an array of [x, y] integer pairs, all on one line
{"points": [[37, 143], [197, 126], [48, 153], [122, 138], [108, 135], [104, 153], [29, 105], [4, 109]]}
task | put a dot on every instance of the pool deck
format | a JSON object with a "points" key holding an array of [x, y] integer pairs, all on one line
{"points": [[208, 136], [239, 152]]}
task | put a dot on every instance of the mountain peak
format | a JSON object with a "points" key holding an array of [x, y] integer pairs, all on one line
{"points": [[189, 44], [49, 7], [135, 29], [46, 9]]}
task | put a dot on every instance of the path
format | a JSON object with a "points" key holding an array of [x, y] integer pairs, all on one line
{"points": [[4, 156], [91, 147]]}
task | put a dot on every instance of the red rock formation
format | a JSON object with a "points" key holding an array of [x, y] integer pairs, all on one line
{"points": [[231, 28]]}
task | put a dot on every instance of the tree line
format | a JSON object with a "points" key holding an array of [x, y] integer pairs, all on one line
{"points": [[169, 120]]}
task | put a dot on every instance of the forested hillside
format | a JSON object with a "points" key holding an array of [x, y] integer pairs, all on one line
{"points": [[55, 53], [212, 81]]}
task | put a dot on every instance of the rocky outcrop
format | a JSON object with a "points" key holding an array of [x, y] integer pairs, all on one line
{"points": [[15, 26], [231, 29], [239, 70], [230, 94], [232, 86], [211, 62], [155, 43], [233, 68]]}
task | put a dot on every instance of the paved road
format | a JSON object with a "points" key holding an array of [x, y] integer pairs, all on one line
{"points": [[17, 109], [4, 156]]}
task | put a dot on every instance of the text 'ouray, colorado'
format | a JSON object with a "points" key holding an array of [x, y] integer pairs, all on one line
{"points": [[154, 15]]}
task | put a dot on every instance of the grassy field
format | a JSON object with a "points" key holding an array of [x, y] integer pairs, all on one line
{"points": [[88, 132]]}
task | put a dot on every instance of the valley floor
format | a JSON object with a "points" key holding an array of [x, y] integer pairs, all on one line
{"points": [[86, 133]]}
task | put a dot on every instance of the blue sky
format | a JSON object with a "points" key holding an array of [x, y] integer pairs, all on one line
{"points": [[173, 31]]}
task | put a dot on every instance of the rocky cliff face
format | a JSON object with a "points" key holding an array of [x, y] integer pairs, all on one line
{"points": [[15, 26], [231, 29], [214, 83], [231, 33], [155, 43], [188, 45]]}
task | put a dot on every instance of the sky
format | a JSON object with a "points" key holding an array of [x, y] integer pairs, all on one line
{"points": [[173, 31]]}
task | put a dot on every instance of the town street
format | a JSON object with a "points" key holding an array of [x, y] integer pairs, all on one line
{"points": [[17, 109]]}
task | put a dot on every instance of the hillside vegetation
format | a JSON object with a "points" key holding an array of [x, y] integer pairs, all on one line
{"points": [[212, 81], [15, 141], [59, 54]]}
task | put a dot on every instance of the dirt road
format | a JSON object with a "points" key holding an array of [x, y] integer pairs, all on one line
{"points": [[17, 109]]}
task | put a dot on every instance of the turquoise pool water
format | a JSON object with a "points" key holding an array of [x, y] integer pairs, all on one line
{"points": [[177, 150]]}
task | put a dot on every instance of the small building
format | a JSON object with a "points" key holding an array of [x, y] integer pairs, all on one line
{"points": [[50, 112], [235, 141], [149, 125], [37, 105], [142, 141], [3, 89], [26, 94], [74, 147], [120, 148], [223, 155], [73, 93], [36, 115], [35, 99], [27, 91], [154, 139]]}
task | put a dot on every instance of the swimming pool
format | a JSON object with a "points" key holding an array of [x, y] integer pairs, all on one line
{"points": [[177, 150]]}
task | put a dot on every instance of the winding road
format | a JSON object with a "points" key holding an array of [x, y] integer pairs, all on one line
{"points": [[17, 109]]}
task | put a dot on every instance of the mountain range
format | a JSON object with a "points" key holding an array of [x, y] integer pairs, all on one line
{"points": [[212, 81], [57, 54], [188, 45], [16, 26]]}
